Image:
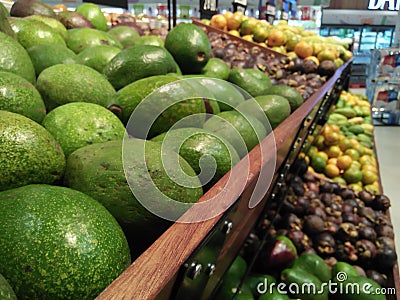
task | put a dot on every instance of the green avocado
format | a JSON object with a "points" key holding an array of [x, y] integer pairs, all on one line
{"points": [[150, 40], [15, 58], [136, 62], [52, 22], [29, 153], [65, 83], [314, 264], [93, 13], [97, 57], [126, 35], [6, 291], [244, 132], [78, 124], [253, 81], [190, 47], [101, 170], [4, 25], [31, 32], [290, 93], [20, 96], [358, 288], [47, 55], [80, 38], [216, 68], [58, 243], [210, 156], [131, 95]]}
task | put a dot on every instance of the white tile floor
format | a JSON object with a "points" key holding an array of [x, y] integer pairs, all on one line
{"points": [[387, 140]]}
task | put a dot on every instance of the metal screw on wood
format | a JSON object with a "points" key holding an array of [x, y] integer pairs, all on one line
{"points": [[194, 270]]}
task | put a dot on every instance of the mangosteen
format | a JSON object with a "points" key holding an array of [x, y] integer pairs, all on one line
{"points": [[298, 189], [291, 221], [218, 52], [331, 261], [309, 66], [335, 220], [346, 252], [325, 244], [313, 224], [385, 258], [288, 206], [312, 192], [377, 277], [351, 202], [384, 241], [381, 202], [366, 251], [318, 211], [382, 219], [301, 206], [331, 227], [295, 65], [366, 232], [348, 209], [347, 193], [347, 232], [368, 213], [350, 218], [336, 186], [385, 230], [333, 210], [366, 197], [299, 239], [327, 198], [326, 187], [365, 221], [326, 68]]}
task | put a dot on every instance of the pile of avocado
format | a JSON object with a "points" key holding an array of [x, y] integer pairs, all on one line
{"points": [[92, 117]]}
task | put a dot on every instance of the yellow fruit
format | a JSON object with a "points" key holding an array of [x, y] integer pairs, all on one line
{"points": [[248, 37], [319, 142], [303, 49], [228, 14], [247, 26], [292, 41], [331, 138], [344, 162], [368, 177], [218, 21], [340, 180], [345, 144], [234, 32], [234, 21], [326, 54], [322, 154], [260, 34], [291, 54], [276, 38], [331, 170], [313, 58], [353, 154], [372, 188], [369, 168], [334, 151], [357, 187], [332, 161], [356, 165], [317, 48], [312, 151]]}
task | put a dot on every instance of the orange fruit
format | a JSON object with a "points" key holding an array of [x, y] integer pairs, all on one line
{"points": [[334, 151], [332, 161], [303, 49], [218, 21], [344, 162], [369, 168], [345, 144], [233, 23], [319, 142], [331, 170], [260, 34], [276, 38], [331, 138], [60, 7], [228, 14]]}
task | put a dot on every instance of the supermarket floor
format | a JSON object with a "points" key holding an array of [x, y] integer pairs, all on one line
{"points": [[387, 140]]}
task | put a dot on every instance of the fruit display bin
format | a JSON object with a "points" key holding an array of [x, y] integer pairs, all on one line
{"points": [[189, 259], [228, 36]]}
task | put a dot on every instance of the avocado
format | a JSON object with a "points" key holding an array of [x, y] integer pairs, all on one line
{"points": [[4, 25], [150, 40], [253, 81], [31, 32], [52, 22], [47, 55], [97, 57], [244, 132], [290, 93], [126, 35], [216, 68], [23, 8], [73, 19], [78, 124], [93, 13], [136, 62], [190, 47], [65, 83], [58, 243], [210, 156], [99, 170], [128, 98], [6, 291], [29, 153], [15, 58], [20, 96], [175, 104], [81, 38]]}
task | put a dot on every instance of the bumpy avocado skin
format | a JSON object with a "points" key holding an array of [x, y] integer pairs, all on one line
{"points": [[6, 291], [15, 59], [20, 96], [58, 243], [28, 153], [65, 83], [98, 171]]}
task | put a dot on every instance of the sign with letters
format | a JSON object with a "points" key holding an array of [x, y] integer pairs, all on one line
{"points": [[380, 4]]}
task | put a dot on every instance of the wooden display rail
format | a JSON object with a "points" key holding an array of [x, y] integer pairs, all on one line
{"points": [[232, 37], [159, 272]]}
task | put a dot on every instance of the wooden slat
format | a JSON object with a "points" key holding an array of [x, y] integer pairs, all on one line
{"points": [[151, 272]]}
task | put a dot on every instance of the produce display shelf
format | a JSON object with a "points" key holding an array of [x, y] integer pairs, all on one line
{"points": [[248, 44], [172, 267]]}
